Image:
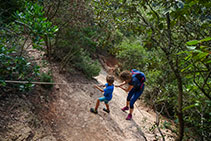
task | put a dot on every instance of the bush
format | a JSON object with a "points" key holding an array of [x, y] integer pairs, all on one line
{"points": [[33, 23], [89, 67], [16, 68], [30, 23], [74, 49], [131, 54], [8, 8], [46, 77]]}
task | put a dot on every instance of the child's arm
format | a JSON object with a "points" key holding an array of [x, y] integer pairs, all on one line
{"points": [[95, 86], [128, 89], [102, 85]]}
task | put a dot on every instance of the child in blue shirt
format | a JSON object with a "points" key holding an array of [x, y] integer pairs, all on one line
{"points": [[109, 87]]}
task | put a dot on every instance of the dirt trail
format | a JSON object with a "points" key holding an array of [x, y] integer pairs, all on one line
{"points": [[66, 117], [75, 122]]}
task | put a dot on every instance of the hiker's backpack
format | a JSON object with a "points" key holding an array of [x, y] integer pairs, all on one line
{"points": [[140, 75]]}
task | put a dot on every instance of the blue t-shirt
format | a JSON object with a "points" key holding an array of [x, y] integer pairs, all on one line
{"points": [[108, 91]]}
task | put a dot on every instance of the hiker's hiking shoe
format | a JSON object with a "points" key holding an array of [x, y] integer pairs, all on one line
{"points": [[129, 117], [93, 111], [125, 108], [104, 109]]}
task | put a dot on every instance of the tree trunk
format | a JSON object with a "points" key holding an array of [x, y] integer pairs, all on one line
{"points": [[176, 70], [180, 105]]}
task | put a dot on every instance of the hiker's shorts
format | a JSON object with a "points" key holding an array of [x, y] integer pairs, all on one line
{"points": [[133, 96], [103, 99]]}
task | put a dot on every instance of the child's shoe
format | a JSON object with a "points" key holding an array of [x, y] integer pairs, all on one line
{"points": [[104, 109], [129, 117], [93, 111], [125, 108]]}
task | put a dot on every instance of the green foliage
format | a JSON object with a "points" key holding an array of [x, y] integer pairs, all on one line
{"points": [[75, 47], [8, 8], [13, 67], [197, 60], [131, 54], [46, 77], [32, 21], [198, 53], [69, 38], [88, 66], [83, 37], [165, 28]]}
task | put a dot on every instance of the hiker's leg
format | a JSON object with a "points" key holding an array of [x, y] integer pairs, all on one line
{"points": [[130, 94], [134, 98], [97, 104], [129, 116], [127, 103], [131, 111], [107, 106], [101, 99]]}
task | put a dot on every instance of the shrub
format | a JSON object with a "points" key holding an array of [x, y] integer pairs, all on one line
{"points": [[46, 77], [131, 54], [13, 67], [74, 48], [88, 66], [30, 23]]}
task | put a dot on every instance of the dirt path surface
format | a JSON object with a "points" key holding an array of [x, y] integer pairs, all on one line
{"points": [[63, 114], [75, 122]]}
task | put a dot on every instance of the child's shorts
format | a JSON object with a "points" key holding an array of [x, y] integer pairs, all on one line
{"points": [[103, 99]]}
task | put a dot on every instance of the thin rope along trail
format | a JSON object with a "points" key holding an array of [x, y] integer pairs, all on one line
{"points": [[139, 110], [32, 82]]}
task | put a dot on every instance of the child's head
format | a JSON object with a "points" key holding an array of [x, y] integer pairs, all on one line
{"points": [[110, 79], [125, 76]]}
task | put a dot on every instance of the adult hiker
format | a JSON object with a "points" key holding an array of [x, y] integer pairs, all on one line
{"points": [[109, 87], [136, 80]]}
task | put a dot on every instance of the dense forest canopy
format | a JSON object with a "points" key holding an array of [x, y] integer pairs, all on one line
{"points": [[170, 41]]}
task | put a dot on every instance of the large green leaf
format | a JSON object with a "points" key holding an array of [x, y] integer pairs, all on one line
{"points": [[193, 42], [190, 106], [205, 39]]}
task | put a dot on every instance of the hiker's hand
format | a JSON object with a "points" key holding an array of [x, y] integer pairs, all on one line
{"points": [[117, 85], [122, 87]]}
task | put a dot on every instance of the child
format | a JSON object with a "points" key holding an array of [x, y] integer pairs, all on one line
{"points": [[136, 80], [107, 94]]}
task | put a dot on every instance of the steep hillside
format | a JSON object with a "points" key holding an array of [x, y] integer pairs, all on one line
{"points": [[62, 114]]}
